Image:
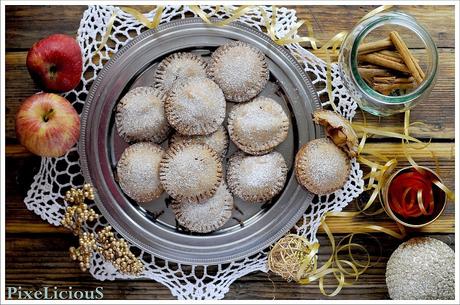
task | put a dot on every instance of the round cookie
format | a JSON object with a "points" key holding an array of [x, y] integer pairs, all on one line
{"points": [[256, 178], [190, 172], [207, 216], [138, 171], [240, 69], [321, 167], [140, 116], [258, 126], [176, 67], [195, 106], [217, 140]]}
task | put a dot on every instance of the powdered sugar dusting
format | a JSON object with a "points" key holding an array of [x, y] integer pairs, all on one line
{"points": [[257, 178], [196, 106], [176, 67], [206, 216], [322, 166], [260, 124], [138, 171], [190, 171], [217, 140], [240, 70], [140, 115]]}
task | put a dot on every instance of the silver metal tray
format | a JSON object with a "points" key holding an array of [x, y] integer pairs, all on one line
{"points": [[152, 226]]}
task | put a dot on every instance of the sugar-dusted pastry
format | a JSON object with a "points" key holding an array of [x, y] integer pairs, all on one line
{"points": [[218, 140], [178, 66], [138, 171], [321, 167], [207, 216], [140, 116], [240, 70], [258, 126], [339, 130], [195, 106], [256, 178], [190, 172]]}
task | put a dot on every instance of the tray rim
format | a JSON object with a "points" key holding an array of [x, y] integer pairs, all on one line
{"points": [[311, 92]]}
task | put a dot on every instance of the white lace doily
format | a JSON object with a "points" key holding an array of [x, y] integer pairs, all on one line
{"points": [[56, 175]]}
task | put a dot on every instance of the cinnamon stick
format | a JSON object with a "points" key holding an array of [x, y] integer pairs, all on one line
{"points": [[384, 79], [384, 62], [394, 54], [393, 58], [407, 56], [393, 79], [374, 46], [386, 89], [384, 56], [390, 53], [372, 72]]}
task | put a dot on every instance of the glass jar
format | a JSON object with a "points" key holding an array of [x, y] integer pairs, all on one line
{"points": [[366, 97]]}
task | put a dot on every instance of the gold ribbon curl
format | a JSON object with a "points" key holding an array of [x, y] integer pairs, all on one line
{"points": [[138, 16], [295, 258]]}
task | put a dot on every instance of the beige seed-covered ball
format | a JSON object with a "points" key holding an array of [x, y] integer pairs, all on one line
{"points": [[422, 268]]}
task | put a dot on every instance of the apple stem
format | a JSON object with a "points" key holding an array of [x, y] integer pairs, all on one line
{"points": [[47, 115]]}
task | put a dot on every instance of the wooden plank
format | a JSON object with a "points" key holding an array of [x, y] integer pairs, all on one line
{"points": [[16, 151], [26, 24], [20, 220], [327, 21], [437, 111], [34, 262]]}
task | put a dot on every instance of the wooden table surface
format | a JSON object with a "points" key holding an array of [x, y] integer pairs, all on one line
{"points": [[37, 253]]}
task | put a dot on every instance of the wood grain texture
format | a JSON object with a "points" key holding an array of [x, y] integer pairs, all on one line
{"points": [[37, 253]]}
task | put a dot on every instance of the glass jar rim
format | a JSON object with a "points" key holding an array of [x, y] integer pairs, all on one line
{"points": [[403, 20]]}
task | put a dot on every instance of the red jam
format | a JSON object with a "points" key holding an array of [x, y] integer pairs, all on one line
{"points": [[410, 194]]}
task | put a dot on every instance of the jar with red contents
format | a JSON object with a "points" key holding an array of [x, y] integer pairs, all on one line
{"points": [[411, 197]]}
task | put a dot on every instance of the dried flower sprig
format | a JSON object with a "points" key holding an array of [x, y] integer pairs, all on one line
{"points": [[85, 251], [78, 213], [117, 251], [105, 243]]}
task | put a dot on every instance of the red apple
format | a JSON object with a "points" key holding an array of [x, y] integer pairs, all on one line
{"points": [[55, 62], [47, 125]]}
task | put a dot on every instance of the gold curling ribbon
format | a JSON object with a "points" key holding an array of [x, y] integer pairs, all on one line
{"points": [[436, 182], [144, 20], [138, 16], [295, 258], [375, 12], [108, 30], [157, 18], [240, 11]]}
